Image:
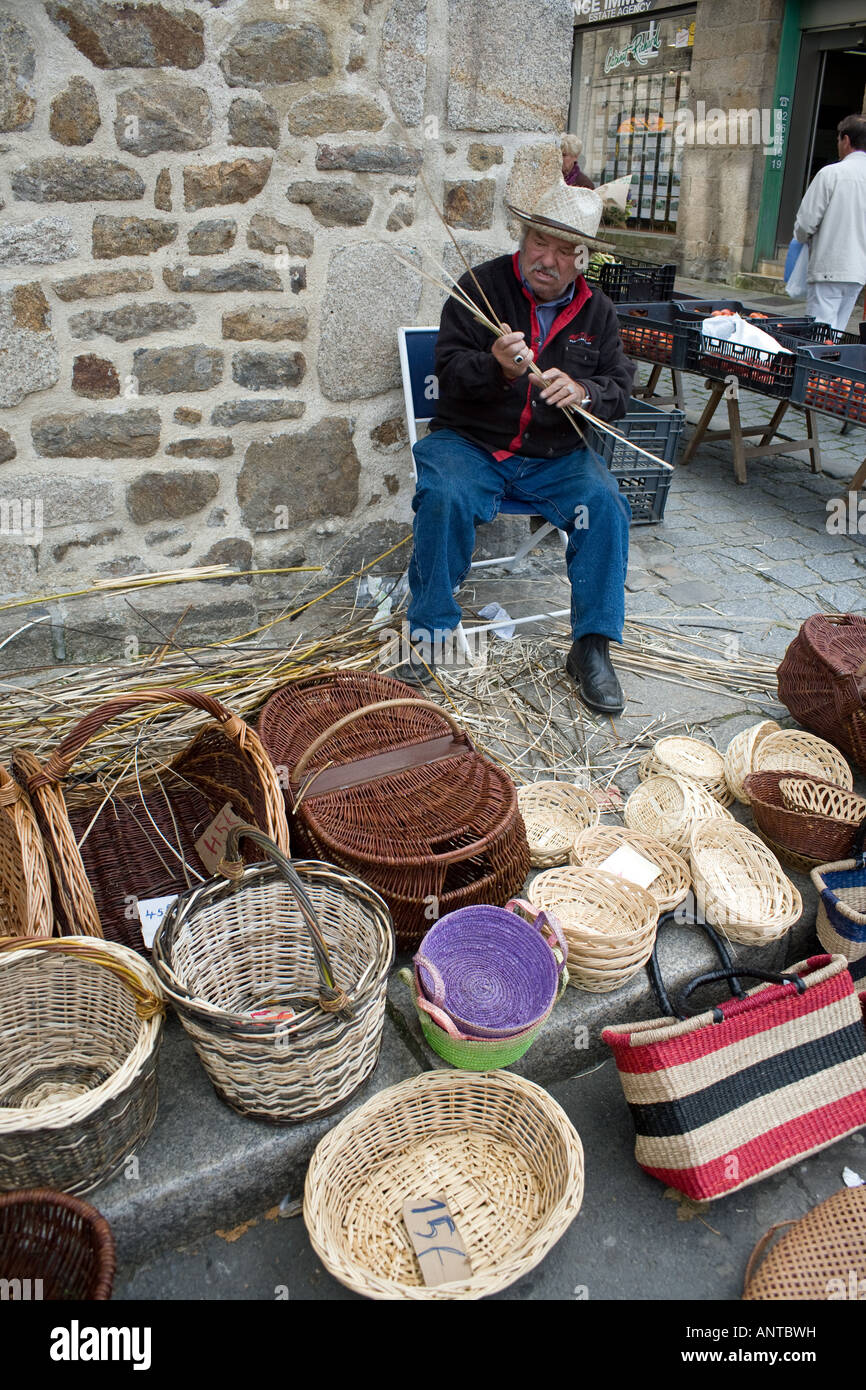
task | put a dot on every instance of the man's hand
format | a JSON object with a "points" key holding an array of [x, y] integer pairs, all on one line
{"points": [[561, 389], [506, 348]]}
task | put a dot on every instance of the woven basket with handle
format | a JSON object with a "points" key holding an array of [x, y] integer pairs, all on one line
{"points": [[822, 680], [113, 843], [25, 885], [58, 1243], [390, 788]]}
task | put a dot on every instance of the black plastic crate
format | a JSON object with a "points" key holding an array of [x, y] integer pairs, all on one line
{"points": [[647, 331], [644, 484], [812, 331], [768, 373], [631, 279], [832, 380]]}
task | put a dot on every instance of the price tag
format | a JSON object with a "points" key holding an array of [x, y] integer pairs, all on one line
{"points": [[211, 846], [436, 1240], [626, 863], [608, 798], [151, 912]]}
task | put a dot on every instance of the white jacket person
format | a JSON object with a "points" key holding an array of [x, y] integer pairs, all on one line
{"points": [[832, 219]]}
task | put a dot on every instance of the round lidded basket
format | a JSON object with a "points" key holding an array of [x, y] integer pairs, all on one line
{"points": [[688, 757], [806, 820], [609, 924], [739, 754], [498, 1148], [667, 806], [593, 847], [81, 1025], [822, 680], [739, 884], [59, 1241], [793, 750], [286, 1015], [25, 884], [491, 972], [553, 814]]}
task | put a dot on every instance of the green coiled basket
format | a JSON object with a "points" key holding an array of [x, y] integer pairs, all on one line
{"points": [[473, 1054]]}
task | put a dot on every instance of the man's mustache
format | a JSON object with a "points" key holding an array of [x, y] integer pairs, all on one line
{"points": [[543, 270]]}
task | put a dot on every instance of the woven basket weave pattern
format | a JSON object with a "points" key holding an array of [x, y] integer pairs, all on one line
{"points": [[739, 754], [739, 884], [841, 922], [822, 680], [59, 1240], [803, 837], [792, 750], [554, 813], [609, 924], [668, 806], [817, 1258], [25, 885], [592, 847], [689, 757]]}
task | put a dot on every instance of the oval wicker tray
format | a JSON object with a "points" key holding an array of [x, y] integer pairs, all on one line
{"points": [[554, 813], [609, 924], [497, 1147], [739, 884], [668, 806], [739, 754], [688, 757], [793, 750], [592, 847]]}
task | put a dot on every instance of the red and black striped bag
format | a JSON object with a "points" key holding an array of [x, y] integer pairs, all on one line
{"points": [[727, 1097]]}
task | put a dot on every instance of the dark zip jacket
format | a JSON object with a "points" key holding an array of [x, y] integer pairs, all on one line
{"points": [[477, 401]]}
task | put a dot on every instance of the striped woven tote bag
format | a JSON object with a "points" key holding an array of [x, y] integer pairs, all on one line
{"points": [[726, 1097]]}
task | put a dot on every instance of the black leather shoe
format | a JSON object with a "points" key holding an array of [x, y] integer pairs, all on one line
{"points": [[589, 665], [414, 671]]}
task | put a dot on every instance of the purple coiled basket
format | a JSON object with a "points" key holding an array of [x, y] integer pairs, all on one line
{"points": [[492, 972]]}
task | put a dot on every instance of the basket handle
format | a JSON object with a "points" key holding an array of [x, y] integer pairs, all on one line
{"points": [[761, 1247], [772, 976], [544, 923], [655, 974], [438, 1017], [331, 997], [368, 709], [438, 996], [147, 1004]]}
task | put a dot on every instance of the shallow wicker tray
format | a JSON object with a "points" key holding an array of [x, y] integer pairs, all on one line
{"points": [[669, 806], [688, 757], [554, 813], [739, 884], [609, 924], [739, 754], [592, 847], [793, 750], [502, 1152]]}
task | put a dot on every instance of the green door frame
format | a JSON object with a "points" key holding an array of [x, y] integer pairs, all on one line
{"points": [[774, 163]]}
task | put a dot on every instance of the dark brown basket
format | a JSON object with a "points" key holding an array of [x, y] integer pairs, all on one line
{"points": [[805, 818], [111, 845], [390, 788], [822, 680], [57, 1246]]}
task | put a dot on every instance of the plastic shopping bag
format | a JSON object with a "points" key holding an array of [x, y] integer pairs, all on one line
{"points": [[795, 275]]}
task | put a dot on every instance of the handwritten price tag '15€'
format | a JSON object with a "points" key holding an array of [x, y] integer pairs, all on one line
{"points": [[436, 1240]]}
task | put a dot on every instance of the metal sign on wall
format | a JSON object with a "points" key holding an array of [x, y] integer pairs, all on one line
{"points": [[609, 11]]}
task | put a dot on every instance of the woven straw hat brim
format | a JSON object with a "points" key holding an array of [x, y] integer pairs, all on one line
{"points": [[548, 227]]}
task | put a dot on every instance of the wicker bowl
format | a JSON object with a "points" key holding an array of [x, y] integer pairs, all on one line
{"points": [[688, 757], [500, 1150], [59, 1243], [806, 820], [609, 924], [793, 750], [841, 924], [739, 884], [554, 813], [80, 1024], [592, 847], [667, 807], [739, 754]]}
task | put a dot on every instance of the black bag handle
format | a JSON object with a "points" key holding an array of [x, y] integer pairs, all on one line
{"points": [[722, 952], [772, 976]]}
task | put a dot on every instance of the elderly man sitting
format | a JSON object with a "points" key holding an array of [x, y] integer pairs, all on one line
{"points": [[497, 433]]}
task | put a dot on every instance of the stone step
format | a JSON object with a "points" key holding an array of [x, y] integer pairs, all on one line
{"points": [[774, 269], [765, 284]]}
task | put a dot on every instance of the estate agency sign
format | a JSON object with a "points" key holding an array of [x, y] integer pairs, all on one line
{"points": [[609, 11]]}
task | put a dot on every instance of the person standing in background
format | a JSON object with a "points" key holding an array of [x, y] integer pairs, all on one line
{"points": [[832, 219], [571, 171]]}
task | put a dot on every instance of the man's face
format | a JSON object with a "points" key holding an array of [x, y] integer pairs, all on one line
{"points": [[548, 265]]}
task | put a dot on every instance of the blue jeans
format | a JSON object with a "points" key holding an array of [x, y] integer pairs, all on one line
{"points": [[460, 485]]}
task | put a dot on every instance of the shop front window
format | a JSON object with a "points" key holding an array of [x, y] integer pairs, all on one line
{"points": [[631, 87]]}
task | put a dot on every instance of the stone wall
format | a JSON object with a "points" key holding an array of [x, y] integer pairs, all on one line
{"points": [[199, 294]]}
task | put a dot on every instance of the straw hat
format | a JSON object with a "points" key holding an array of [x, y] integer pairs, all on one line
{"points": [[569, 214]]}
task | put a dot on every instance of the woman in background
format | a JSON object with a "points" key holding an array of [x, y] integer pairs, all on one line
{"points": [[571, 171]]}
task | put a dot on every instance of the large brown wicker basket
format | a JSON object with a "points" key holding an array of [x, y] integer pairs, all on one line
{"points": [[822, 680], [390, 788], [25, 885], [111, 844], [806, 820], [55, 1246]]}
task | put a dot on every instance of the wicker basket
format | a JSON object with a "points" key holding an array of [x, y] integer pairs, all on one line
{"points": [[111, 844], [553, 814], [688, 757], [592, 847], [739, 754], [80, 1026], [822, 680], [390, 788], [237, 954], [806, 820], [56, 1245], [668, 807], [792, 750], [823, 1256], [503, 1154], [739, 884], [841, 923], [25, 886], [456, 1048], [609, 924]]}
